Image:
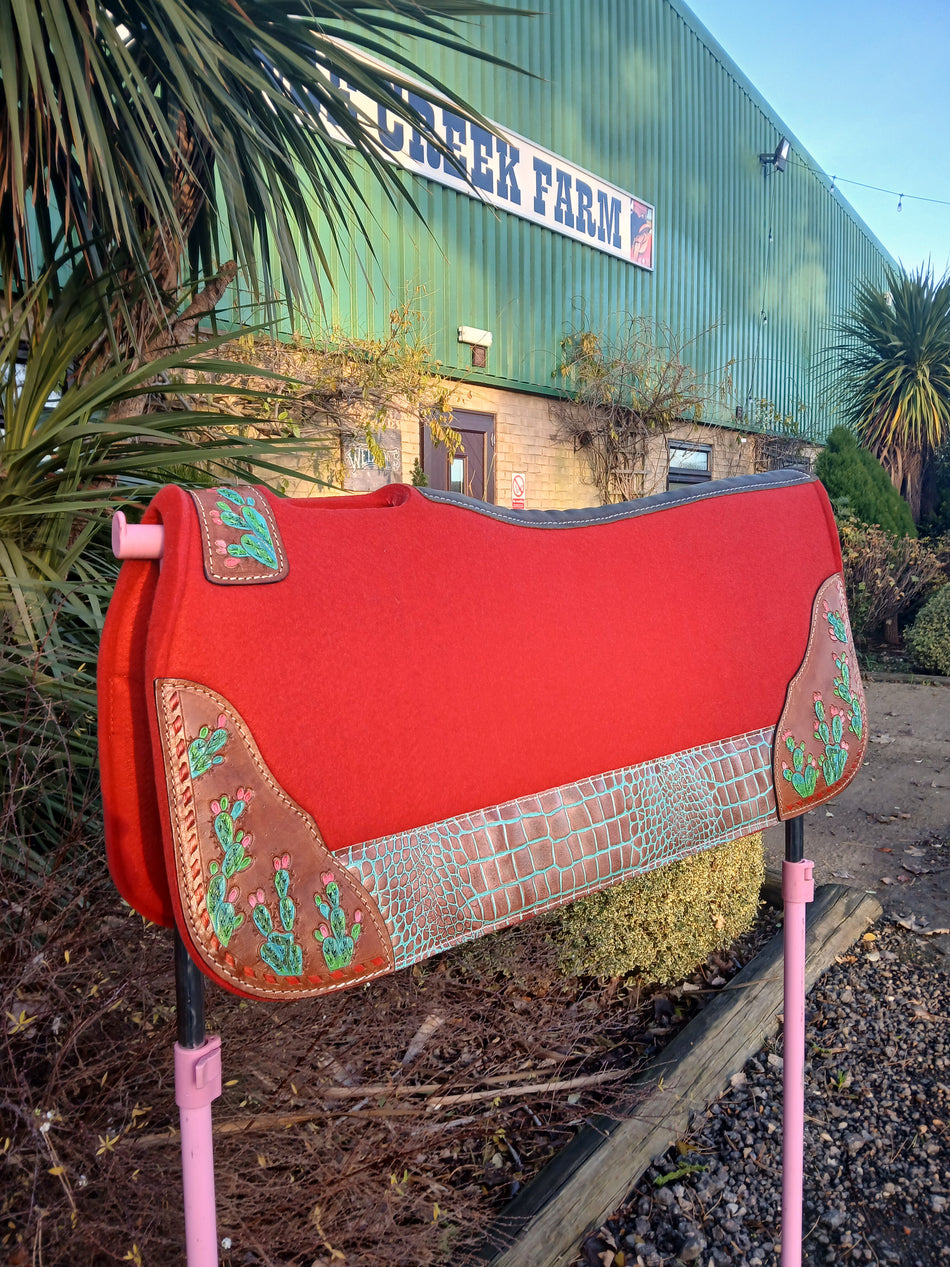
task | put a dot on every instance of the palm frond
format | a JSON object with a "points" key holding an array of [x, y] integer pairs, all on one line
{"points": [[118, 124], [893, 382]]}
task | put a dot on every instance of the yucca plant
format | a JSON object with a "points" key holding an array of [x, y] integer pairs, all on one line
{"points": [[67, 461], [894, 374]]}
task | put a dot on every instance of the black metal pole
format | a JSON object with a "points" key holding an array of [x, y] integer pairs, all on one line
{"points": [[795, 839], [189, 997]]}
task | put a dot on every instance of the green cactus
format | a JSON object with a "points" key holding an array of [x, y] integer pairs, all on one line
{"points": [[837, 627], [829, 731], [337, 944], [280, 951], [219, 899], [220, 903], [256, 542], [804, 774], [844, 692], [204, 750]]}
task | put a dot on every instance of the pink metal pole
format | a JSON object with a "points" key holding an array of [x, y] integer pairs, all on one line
{"points": [[798, 889], [197, 1057], [197, 1084]]}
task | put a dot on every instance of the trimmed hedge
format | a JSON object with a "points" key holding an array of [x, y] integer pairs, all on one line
{"points": [[662, 924], [928, 638]]}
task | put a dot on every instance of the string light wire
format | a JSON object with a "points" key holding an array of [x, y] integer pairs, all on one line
{"points": [[895, 193]]}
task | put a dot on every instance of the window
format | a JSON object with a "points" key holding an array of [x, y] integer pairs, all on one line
{"points": [[689, 464]]}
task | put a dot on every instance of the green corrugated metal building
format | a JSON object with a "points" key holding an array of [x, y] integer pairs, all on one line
{"points": [[634, 124]]}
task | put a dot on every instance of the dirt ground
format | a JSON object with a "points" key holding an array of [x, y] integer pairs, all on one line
{"points": [[889, 831]]}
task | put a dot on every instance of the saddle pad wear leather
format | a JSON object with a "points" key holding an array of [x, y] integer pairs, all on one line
{"points": [[421, 659]]}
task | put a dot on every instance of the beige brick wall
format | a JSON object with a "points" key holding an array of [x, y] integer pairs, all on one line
{"points": [[525, 426], [525, 444]]}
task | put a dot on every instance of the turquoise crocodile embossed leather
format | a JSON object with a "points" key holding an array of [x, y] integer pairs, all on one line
{"points": [[446, 883]]}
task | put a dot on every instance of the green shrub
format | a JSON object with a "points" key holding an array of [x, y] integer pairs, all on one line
{"points": [[857, 483], [885, 575], [662, 924], [928, 639]]}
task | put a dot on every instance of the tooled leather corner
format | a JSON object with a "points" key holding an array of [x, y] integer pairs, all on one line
{"points": [[240, 540], [822, 734], [269, 910]]}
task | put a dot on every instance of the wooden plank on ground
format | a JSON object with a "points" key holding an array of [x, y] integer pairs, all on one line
{"points": [[589, 1179]]}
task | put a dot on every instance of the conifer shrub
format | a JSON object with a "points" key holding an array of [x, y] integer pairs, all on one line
{"points": [[663, 924], [928, 639], [858, 484]]}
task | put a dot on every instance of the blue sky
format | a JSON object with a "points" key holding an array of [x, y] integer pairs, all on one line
{"points": [[865, 87]]}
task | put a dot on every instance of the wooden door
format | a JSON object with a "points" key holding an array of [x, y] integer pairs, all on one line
{"points": [[472, 469]]}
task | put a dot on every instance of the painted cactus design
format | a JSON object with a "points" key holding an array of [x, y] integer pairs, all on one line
{"points": [[239, 512], [803, 775], [220, 897], [848, 696], [204, 750], [836, 625], [829, 731], [280, 951], [337, 944]]}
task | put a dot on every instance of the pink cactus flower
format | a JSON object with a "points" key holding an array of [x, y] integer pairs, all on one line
{"points": [[220, 546], [215, 516], [230, 563], [324, 931], [327, 878], [215, 807], [244, 838], [282, 863], [357, 917], [233, 896], [784, 765], [222, 721], [817, 696]]}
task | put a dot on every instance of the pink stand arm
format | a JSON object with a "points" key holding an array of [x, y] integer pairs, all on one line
{"points": [[798, 889], [197, 1084], [136, 541]]}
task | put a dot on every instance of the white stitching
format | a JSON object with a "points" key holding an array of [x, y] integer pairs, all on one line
{"points": [[246, 577]]}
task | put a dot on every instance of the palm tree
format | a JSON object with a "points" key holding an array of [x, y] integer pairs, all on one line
{"points": [[894, 374], [140, 133], [138, 141], [69, 457]]}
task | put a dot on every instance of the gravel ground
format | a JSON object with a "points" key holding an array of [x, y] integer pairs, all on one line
{"points": [[877, 1134]]}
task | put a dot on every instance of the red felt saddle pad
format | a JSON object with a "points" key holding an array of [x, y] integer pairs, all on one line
{"points": [[388, 687]]}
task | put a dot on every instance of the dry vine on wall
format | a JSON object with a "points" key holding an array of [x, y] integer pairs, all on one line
{"points": [[619, 396]]}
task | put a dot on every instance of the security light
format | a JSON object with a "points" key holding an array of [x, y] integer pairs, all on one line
{"points": [[779, 158], [478, 338]]}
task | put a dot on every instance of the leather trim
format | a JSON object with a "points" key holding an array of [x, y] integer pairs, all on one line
{"points": [[451, 881], [240, 540], [242, 850], [822, 734], [266, 908]]}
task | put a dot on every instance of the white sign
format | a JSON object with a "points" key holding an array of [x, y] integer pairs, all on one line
{"points": [[506, 171], [518, 484]]}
